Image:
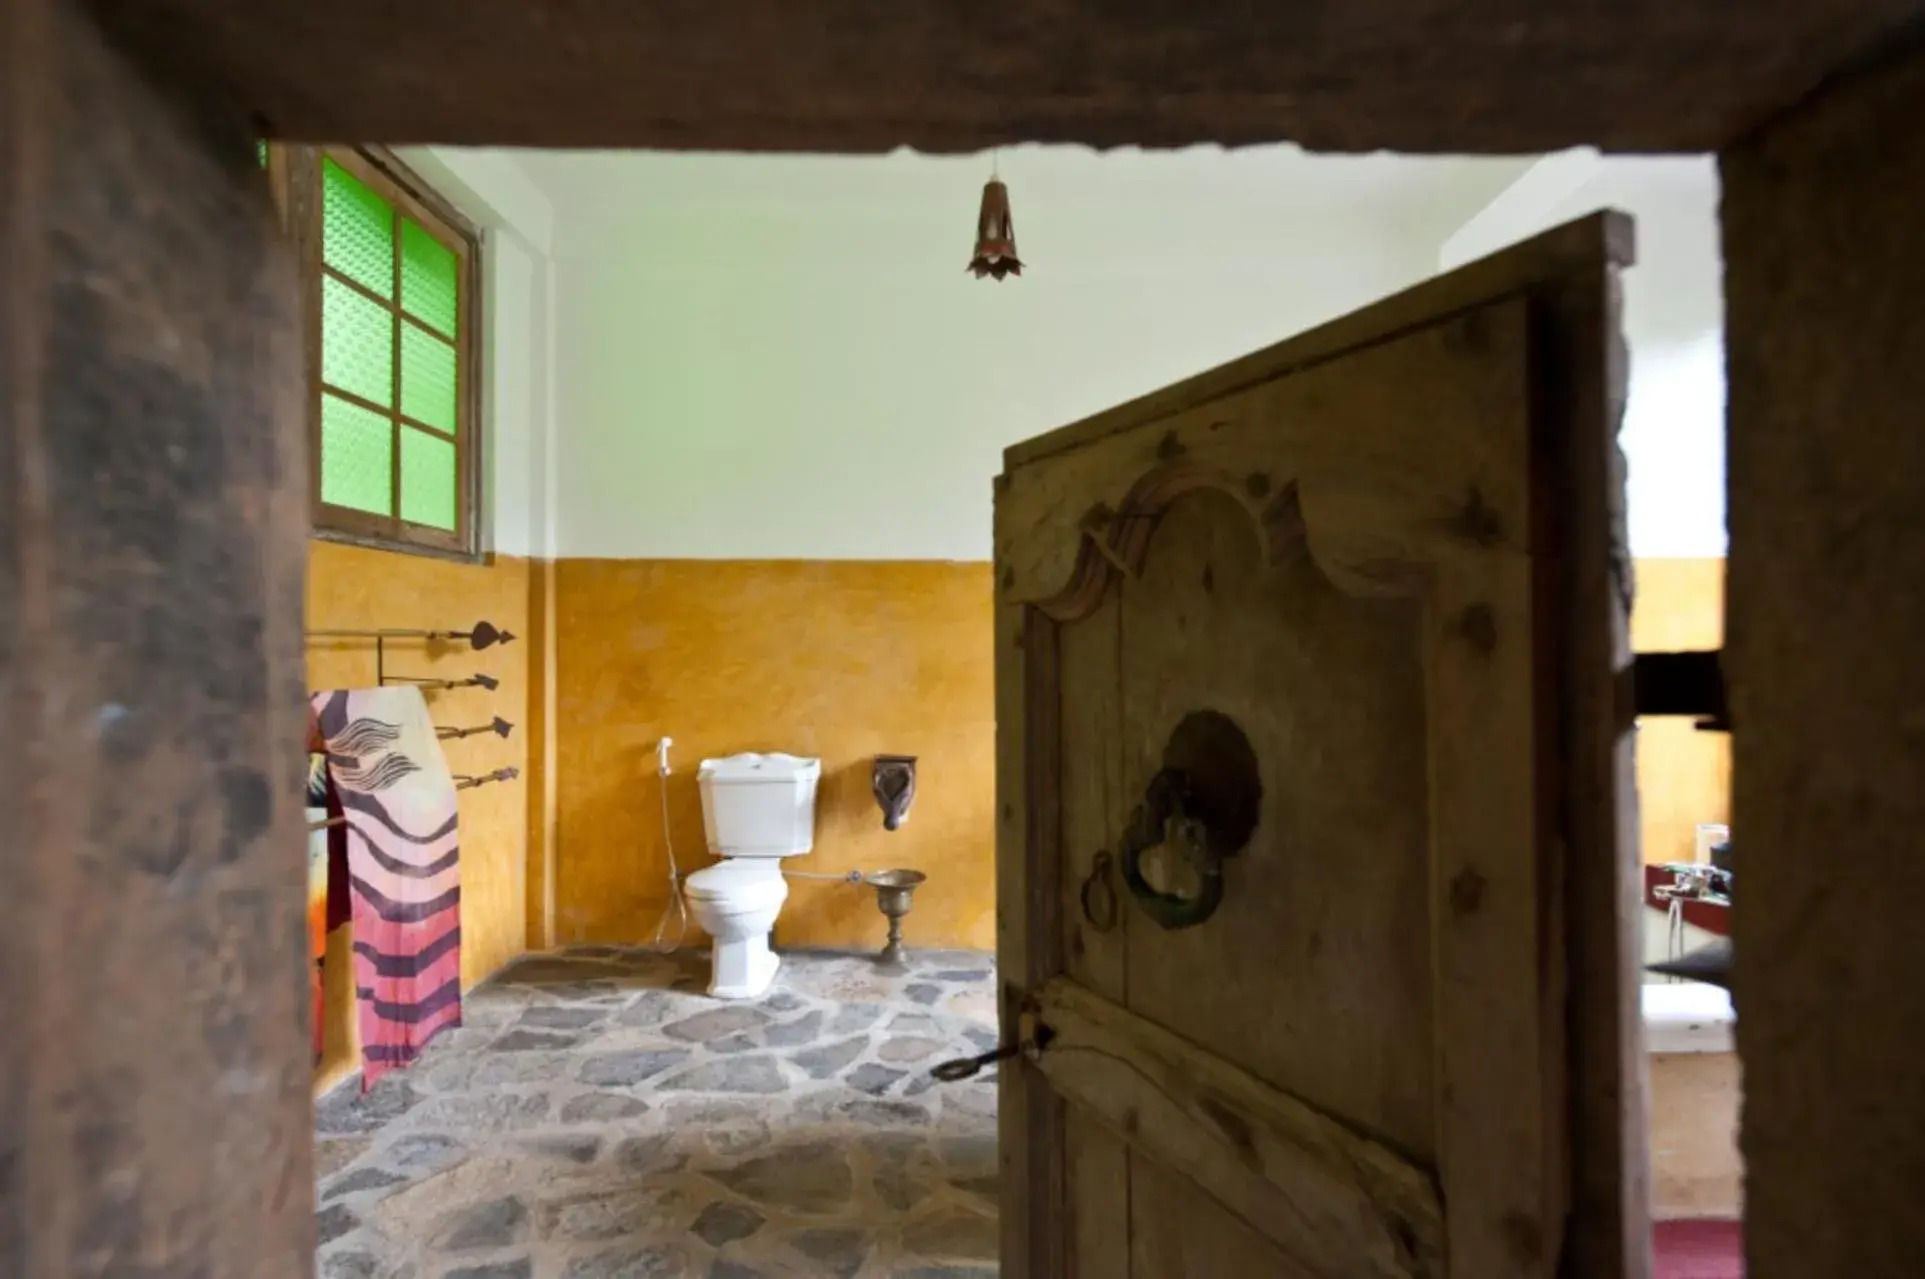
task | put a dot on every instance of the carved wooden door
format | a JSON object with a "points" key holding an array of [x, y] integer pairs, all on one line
{"points": [[1307, 730]]}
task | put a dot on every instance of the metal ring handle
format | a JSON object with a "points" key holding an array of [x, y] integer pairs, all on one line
{"points": [[1097, 888]]}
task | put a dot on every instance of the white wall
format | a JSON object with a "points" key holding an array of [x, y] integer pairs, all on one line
{"points": [[782, 357], [520, 441], [1673, 432]]}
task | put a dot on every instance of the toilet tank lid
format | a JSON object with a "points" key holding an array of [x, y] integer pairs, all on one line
{"points": [[751, 767]]}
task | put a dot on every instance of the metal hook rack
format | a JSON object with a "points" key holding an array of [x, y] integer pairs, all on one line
{"points": [[477, 680], [483, 634], [500, 727], [463, 781]]}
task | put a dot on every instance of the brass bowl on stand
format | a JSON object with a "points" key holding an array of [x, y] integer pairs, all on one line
{"points": [[894, 891]]}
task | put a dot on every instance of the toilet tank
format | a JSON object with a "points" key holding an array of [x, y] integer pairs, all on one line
{"points": [[759, 805]]}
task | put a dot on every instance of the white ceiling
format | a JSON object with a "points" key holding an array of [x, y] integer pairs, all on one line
{"points": [[1425, 195]]}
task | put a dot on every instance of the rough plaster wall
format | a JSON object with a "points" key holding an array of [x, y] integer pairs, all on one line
{"points": [[769, 357], [352, 588], [1826, 622]]}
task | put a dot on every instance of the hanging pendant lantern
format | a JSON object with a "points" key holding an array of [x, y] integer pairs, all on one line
{"points": [[995, 235]]}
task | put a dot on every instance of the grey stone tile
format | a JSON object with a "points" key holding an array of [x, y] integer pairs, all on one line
{"points": [[601, 1215], [730, 1075], [962, 974], [572, 1148], [733, 1044], [968, 1154], [483, 1112], [344, 1109], [791, 1034], [422, 1151], [519, 1040], [601, 1108], [721, 1223], [519, 1268], [922, 992], [625, 1068], [898, 1189], [830, 1059], [359, 1180], [659, 1261], [350, 1265], [330, 1156], [808, 1179], [650, 1008], [852, 1017], [873, 1079], [494, 1224], [561, 1017], [838, 1252], [783, 1001], [332, 1223], [716, 1023], [904, 1049], [875, 1112], [654, 1153], [725, 1268]]}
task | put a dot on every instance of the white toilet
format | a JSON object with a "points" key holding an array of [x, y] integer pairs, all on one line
{"points": [[757, 810]]}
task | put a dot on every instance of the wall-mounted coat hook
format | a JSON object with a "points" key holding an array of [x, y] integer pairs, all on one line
{"points": [[476, 680], [500, 727], [468, 781], [483, 634]]}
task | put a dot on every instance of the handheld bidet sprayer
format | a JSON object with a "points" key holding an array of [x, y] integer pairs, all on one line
{"points": [[677, 906]]}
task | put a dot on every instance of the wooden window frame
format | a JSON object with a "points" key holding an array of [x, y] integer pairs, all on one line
{"points": [[294, 175]]}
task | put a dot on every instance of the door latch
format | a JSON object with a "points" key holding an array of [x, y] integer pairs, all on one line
{"points": [[1030, 1048]]}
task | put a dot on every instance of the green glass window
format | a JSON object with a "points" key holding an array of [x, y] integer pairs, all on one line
{"points": [[395, 362]]}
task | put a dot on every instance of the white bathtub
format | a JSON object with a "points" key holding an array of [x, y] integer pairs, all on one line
{"points": [[1688, 1017], [1695, 1092]]}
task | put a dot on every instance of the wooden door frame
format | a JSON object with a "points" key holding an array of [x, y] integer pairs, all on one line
{"points": [[1568, 279]]}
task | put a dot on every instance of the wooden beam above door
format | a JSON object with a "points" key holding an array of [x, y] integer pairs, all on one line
{"points": [[853, 75]]}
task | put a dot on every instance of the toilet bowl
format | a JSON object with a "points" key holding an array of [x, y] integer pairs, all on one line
{"points": [[756, 810]]}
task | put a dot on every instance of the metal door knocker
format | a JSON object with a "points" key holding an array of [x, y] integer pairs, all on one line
{"points": [[1200, 808]]}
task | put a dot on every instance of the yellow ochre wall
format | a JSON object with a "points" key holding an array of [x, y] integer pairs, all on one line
{"points": [[1684, 776], [839, 659], [350, 587]]}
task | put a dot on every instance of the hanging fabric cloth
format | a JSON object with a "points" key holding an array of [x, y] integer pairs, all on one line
{"points": [[327, 879], [403, 869]]}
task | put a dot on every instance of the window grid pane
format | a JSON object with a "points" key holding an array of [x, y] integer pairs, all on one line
{"points": [[357, 343], [427, 378], [357, 457], [357, 230], [427, 479], [428, 279]]}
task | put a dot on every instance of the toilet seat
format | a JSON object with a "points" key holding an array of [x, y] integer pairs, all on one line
{"points": [[743, 883]]}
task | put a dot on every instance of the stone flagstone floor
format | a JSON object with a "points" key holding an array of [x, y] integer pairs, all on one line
{"points": [[598, 1117]]}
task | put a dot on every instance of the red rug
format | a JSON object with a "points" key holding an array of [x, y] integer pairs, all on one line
{"points": [[1699, 1250]]}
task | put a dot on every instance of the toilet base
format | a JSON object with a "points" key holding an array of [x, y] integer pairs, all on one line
{"points": [[743, 969]]}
